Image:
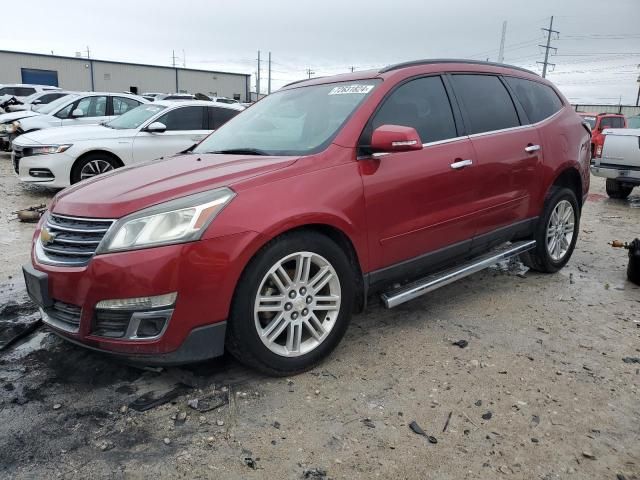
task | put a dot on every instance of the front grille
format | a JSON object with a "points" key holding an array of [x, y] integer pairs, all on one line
{"points": [[71, 240], [64, 316], [110, 324]]}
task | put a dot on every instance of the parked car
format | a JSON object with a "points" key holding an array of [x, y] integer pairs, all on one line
{"points": [[34, 101], [225, 100], [61, 156], [633, 122], [151, 96], [85, 109], [9, 125], [20, 91], [619, 161], [265, 237], [175, 96], [598, 122]]}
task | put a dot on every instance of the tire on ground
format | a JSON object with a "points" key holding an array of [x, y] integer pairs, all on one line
{"points": [[243, 340], [539, 258], [76, 171], [616, 190]]}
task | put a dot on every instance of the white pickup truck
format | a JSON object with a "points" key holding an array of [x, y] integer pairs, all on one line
{"points": [[619, 162]]}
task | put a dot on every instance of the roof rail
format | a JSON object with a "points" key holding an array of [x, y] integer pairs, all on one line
{"points": [[303, 80], [431, 61]]}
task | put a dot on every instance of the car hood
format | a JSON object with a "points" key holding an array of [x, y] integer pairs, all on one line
{"points": [[126, 190], [13, 116], [70, 134]]}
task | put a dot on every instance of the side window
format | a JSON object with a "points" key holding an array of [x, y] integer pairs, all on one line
{"points": [[422, 104], [65, 111], [611, 122], [92, 106], [539, 101], [185, 118], [49, 97], [220, 116], [486, 103], [122, 105]]}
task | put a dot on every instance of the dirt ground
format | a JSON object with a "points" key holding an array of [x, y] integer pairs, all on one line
{"points": [[540, 392]]}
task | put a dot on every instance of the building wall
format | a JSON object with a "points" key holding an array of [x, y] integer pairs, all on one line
{"points": [[75, 74], [628, 110]]}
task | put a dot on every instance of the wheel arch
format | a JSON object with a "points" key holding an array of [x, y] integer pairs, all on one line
{"points": [[568, 178], [91, 152]]}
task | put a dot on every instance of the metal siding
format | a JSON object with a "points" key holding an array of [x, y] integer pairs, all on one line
{"points": [[72, 74], [75, 74], [627, 110]]}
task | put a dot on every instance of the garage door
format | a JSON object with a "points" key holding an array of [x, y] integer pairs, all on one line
{"points": [[40, 77]]}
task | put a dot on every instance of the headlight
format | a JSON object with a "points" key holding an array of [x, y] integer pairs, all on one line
{"points": [[177, 221], [47, 149], [3, 127]]}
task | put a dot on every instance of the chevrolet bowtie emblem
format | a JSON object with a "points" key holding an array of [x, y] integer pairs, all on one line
{"points": [[46, 237]]}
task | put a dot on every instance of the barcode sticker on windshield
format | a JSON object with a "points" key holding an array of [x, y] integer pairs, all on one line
{"points": [[347, 89]]}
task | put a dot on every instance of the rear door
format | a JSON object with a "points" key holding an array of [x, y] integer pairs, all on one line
{"points": [[186, 125], [419, 204], [508, 154], [218, 116]]}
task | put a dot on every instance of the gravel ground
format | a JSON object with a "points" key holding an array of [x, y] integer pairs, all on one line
{"points": [[540, 392]]}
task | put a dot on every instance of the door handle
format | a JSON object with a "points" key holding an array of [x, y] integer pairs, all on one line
{"points": [[532, 148], [461, 164]]}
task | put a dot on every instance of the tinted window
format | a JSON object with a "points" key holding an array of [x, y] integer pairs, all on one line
{"points": [[17, 91], [422, 104], [49, 97], [92, 106], [220, 116], [539, 101], [611, 122], [187, 118], [122, 105], [486, 102]]}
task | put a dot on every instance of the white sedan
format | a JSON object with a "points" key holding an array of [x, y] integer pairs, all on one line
{"points": [[58, 157]]}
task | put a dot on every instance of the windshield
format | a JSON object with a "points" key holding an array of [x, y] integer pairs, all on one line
{"points": [[53, 106], [299, 121], [135, 117]]}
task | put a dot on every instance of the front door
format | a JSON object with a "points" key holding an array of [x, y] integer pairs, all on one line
{"points": [[185, 126], [420, 203]]}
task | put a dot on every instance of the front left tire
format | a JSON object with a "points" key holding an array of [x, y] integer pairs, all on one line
{"points": [[292, 304], [91, 165]]}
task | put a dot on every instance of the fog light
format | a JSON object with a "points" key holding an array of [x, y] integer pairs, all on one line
{"points": [[138, 303], [40, 173], [150, 327]]}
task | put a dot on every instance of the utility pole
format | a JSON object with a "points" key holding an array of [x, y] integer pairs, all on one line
{"points": [[504, 34], [638, 97], [88, 52], [352, 68], [184, 58], [258, 79], [310, 72], [173, 56], [269, 81], [548, 47]]}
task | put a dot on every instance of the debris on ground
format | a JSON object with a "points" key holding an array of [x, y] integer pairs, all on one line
{"points": [[631, 359], [487, 416], [589, 455], [153, 398], [446, 424], [460, 343], [207, 403], [31, 214], [12, 331], [367, 422], [315, 474], [249, 461], [418, 430], [511, 266]]}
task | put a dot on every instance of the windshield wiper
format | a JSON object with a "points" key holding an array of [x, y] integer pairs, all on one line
{"points": [[240, 151]]}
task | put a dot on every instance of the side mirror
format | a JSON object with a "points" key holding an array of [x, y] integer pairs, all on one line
{"points": [[156, 127], [36, 102], [78, 112], [395, 138]]}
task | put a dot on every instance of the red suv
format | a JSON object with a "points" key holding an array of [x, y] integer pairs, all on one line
{"points": [[598, 122], [265, 237]]}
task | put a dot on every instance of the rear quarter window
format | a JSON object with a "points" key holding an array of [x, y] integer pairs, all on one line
{"points": [[486, 103], [538, 100]]}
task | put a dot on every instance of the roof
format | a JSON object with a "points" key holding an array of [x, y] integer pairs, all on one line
{"points": [[14, 52], [29, 85], [431, 61]]}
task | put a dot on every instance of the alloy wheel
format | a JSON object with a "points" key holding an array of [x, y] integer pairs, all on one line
{"points": [[297, 304], [560, 230], [95, 167]]}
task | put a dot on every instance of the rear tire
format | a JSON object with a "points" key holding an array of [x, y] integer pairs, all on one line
{"points": [[286, 315], [556, 232], [93, 164], [616, 190]]}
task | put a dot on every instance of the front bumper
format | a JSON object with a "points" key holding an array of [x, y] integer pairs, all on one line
{"points": [[56, 167], [203, 273], [625, 175]]}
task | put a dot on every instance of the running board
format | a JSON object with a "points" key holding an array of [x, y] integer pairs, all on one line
{"points": [[393, 298]]}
